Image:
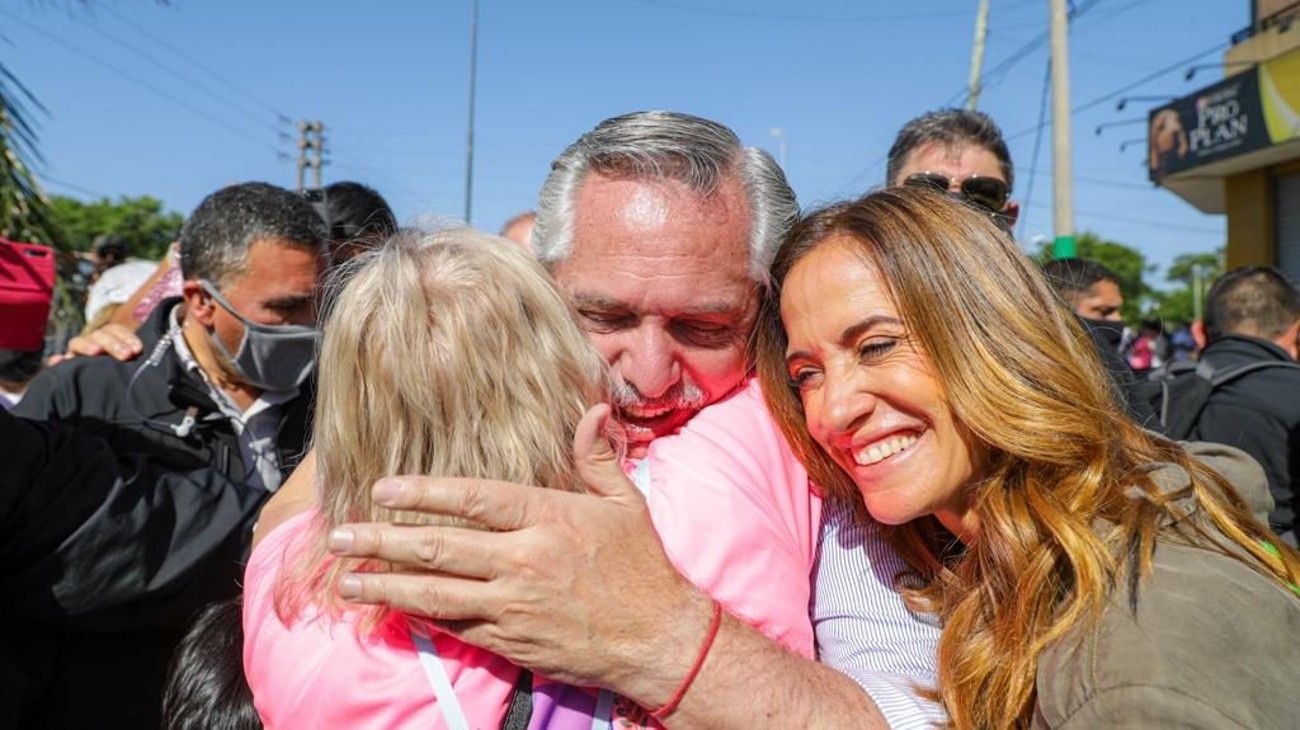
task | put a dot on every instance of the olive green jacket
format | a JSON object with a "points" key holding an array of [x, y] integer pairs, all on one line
{"points": [[1212, 643]]}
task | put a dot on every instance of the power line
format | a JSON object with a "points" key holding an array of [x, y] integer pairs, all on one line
{"points": [[1136, 221], [1128, 87], [146, 84], [237, 87], [1121, 10], [1038, 141], [71, 186], [799, 17], [997, 73], [221, 98], [1001, 68], [1101, 181]]}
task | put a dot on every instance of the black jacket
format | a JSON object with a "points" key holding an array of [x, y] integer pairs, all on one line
{"points": [[100, 592], [1258, 413], [1129, 391]]}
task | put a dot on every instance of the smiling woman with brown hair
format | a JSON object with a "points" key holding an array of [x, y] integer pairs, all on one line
{"points": [[1086, 571]]}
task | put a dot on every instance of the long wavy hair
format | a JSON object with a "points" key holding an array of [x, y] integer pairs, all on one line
{"points": [[450, 354], [1066, 506]]}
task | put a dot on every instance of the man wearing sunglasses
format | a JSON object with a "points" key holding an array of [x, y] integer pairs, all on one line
{"points": [[961, 152]]}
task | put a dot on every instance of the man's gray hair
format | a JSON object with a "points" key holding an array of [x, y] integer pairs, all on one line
{"points": [[659, 145], [215, 239]]}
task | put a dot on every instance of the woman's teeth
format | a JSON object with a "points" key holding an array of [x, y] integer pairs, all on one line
{"points": [[882, 450]]}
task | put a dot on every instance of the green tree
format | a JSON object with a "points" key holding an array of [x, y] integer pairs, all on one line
{"points": [[1178, 304], [1185, 267], [24, 214], [1127, 262], [141, 222]]}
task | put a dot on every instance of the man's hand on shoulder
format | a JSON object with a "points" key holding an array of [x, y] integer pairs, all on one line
{"points": [[114, 340], [575, 586]]}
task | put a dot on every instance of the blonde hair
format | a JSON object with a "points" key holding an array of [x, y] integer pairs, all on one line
{"points": [[450, 354], [1058, 455]]}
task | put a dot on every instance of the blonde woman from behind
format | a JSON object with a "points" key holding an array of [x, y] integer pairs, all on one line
{"points": [[448, 354]]}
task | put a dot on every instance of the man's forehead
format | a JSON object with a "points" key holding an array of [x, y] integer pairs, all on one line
{"points": [[959, 157], [278, 267], [703, 304], [1102, 288], [638, 205]]}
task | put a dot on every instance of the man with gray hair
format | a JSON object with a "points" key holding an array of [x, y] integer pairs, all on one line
{"points": [[660, 228], [203, 428]]}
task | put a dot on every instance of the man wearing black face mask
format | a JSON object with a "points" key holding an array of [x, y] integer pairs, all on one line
{"points": [[1092, 291], [204, 425]]}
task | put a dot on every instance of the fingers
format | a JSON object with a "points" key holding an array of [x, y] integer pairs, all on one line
{"points": [[437, 597], [496, 505], [456, 551], [80, 346], [118, 341], [598, 466], [112, 339]]}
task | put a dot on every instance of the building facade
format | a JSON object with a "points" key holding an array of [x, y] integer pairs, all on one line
{"points": [[1233, 147]]}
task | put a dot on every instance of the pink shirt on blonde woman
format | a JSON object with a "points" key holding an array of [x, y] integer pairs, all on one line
{"points": [[731, 505]]}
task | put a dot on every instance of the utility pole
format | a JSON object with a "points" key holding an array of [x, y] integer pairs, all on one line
{"points": [[469, 144], [1062, 203], [311, 141], [1197, 313], [977, 55]]}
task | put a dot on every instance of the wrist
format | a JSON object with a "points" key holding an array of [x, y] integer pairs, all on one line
{"points": [[666, 654]]}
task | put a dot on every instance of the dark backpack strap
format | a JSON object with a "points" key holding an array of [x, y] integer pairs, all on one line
{"points": [[1227, 376], [520, 711], [1184, 389]]}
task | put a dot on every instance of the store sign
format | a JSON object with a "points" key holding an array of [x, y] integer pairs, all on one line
{"points": [[1245, 112]]}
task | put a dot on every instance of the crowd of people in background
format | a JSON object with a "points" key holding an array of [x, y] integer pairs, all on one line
{"points": [[667, 451]]}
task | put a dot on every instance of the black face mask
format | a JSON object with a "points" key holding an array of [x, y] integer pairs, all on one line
{"points": [[1108, 331]]}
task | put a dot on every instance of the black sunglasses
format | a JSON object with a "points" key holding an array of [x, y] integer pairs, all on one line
{"points": [[989, 193]]}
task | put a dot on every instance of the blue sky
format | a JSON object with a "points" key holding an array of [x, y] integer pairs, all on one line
{"points": [[177, 100]]}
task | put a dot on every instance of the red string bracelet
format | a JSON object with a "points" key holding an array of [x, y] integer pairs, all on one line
{"points": [[676, 699]]}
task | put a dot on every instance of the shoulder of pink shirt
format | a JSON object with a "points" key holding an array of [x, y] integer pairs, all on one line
{"points": [[734, 510]]}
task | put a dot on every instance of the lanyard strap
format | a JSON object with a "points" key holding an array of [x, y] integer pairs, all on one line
{"points": [[641, 477], [519, 713], [448, 704], [603, 717]]}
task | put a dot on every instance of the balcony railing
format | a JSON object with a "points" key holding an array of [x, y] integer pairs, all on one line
{"points": [[1281, 19]]}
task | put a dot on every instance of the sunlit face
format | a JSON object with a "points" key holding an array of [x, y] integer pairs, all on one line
{"points": [[660, 279], [1102, 300], [870, 396], [957, 163], [277, 287]]}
